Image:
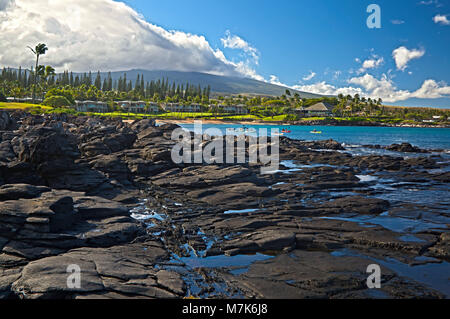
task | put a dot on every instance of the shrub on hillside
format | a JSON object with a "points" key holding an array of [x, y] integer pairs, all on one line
{"points": [[67, 93], [57, 101]]}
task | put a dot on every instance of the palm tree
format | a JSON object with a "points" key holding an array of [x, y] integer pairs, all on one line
{"points": [[38, 51], [379, 101], [44, 72]]}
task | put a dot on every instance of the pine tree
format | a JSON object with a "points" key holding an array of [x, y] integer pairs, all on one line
{"points": [[186, 91], [138, 83], [110, 82], [120, 85], [98, 81], [142, 87], [19, 77], [105, 85]]}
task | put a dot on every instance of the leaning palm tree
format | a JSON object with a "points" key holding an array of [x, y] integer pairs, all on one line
{"points": [[38, 51]]}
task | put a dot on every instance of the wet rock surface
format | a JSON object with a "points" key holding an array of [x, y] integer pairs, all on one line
{"points": [[105, 195]]}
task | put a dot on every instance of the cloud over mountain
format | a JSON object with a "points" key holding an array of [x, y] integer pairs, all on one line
{"points": [[108, 35], [235, 42]]}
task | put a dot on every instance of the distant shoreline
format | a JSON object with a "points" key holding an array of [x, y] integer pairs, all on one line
{"points": [[11, 107], [313, 123]]}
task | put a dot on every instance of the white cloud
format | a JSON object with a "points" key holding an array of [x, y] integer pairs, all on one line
{"points": [[441, 19], [372, 63], [369, 86], [327, 89], [403, 55], [432, 90], [383, 88], [236, 42], [430, 2], [104, 35], [310, 76], [337, 74], [244, 68], [275, 80]]}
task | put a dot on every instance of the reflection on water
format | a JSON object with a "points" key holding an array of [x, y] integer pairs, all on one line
{"points": [[396, 224], [436, 196], [143, 213], [241, 211], [434, 275], [222, 261]]}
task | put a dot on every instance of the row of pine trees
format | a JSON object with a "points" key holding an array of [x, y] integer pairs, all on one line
{"points": [[146, 89]]}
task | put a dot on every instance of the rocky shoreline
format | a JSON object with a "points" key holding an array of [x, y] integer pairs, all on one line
{"points": [[105, 195]]}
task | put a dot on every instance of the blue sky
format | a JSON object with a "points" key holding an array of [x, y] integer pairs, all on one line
{"points": [[295, 38], [318, 46]]}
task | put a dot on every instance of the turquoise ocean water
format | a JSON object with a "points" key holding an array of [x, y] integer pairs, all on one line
{"points": [[428, 138]]}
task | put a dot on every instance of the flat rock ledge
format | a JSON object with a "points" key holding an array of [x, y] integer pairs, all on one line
{"points": [[44, 232]]}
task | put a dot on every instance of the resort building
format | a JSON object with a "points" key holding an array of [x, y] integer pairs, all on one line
{"points": [[193, 108], [235, 109], [23, 100], [300, 111], [178, 108], [133, 107], [319, 109], [153, 107], [172, 107], [91, 106]]}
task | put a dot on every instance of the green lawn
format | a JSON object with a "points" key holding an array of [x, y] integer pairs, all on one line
{"points": [[22, 106], [277, 118], [120, 114], [307, 119], [242, 117], [183, 115]]}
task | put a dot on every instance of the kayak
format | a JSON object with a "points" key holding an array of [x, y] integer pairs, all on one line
{"points": [[316, 132]]}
